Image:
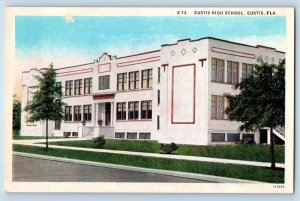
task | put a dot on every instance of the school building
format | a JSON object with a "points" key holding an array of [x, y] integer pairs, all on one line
{"points": [[174, 94]]}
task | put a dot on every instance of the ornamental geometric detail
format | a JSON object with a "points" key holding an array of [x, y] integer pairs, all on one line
{"points": [[172, 53], [183, 51], [194, 49]]}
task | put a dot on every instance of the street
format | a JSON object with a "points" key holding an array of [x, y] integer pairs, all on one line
{"points": [[26, 169]]}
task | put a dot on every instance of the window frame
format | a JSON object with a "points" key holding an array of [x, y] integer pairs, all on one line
{"points": [[232, 72], [77, 113], [87, 116], [146, 114], [134, 113], [134, 80], [147, 77], [68, 114], [122, 114], [216, 67], [87, 85], [121, 81], [215, 106], [68, 87], [77, 87], [104, 82]]}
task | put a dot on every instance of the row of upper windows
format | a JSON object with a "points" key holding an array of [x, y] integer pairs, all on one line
{"points": [[104, 83], [132, 83], [232, 74], [78, 85]]}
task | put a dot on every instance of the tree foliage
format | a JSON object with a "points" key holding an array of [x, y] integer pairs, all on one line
{"points": [[261, 100], [16, 114], [46, 103]]}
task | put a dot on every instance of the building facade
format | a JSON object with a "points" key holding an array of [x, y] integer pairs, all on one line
{"points": [[174, 94]]}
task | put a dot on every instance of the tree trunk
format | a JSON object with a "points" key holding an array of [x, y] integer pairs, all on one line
{"points": [[46, 134], [273, 166]]}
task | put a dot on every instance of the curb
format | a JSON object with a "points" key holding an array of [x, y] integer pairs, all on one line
{"points": [[210, 178]]}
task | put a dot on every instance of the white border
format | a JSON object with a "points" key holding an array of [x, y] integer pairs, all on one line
{"points": [[145, 187]]}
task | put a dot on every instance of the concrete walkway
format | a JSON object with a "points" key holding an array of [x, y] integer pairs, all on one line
{"points": [[155, 155]]}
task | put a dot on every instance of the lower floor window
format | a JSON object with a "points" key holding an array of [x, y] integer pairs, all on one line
{"points": [[119, 135], [131, 135], [146, 112], [75, 134], [67, 134], [233, 137], [87, 112], [145, 136], [218, 137]]}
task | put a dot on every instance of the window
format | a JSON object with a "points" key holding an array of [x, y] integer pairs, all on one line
{"points": [[158, 97], [232, 72], [158, 122], [87, 112], [69, 87], [146, 110], [145, 136], [217, 70], [78, 87], [119, 135], [158, 75], [122, 81], [131, 135], [218, 137], [67, 134], [58, 84], [104, 82], [121, 111], [247, 70], [77, 113], [68, 113], [134, 80], [87, 85], [57, 125], [133, 110], [233, 137], [75, 134], [147, 78], [217, 107]]}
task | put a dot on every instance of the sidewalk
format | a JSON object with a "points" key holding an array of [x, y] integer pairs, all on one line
{"points": [[155, 155]]}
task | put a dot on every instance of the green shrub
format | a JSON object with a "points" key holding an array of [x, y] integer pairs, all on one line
{"points": [[168, 148], [100, 142], [246, 141]]}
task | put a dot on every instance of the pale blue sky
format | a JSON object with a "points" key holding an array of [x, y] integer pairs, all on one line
{"points": [[98, 34], [68, 40]]}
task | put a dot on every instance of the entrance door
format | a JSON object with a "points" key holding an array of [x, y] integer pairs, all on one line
{"points": [[107, 114]]}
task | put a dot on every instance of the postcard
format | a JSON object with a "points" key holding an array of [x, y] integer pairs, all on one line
{"points": [[155, 100]]}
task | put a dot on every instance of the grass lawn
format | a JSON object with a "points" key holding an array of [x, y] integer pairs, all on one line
{"points": [[217, 169], [240, 152]]}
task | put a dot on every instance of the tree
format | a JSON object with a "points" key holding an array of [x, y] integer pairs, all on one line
{"points": [[46, 104], [261, 101], [16, 114]]}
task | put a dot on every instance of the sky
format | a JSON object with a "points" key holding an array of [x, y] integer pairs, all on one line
{"points": [[71, 40]]}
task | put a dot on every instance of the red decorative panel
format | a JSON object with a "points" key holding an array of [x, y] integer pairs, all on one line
{"points": [[194, 95], [138, 61], [102, 68], [103, 96], [232, 52]]}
